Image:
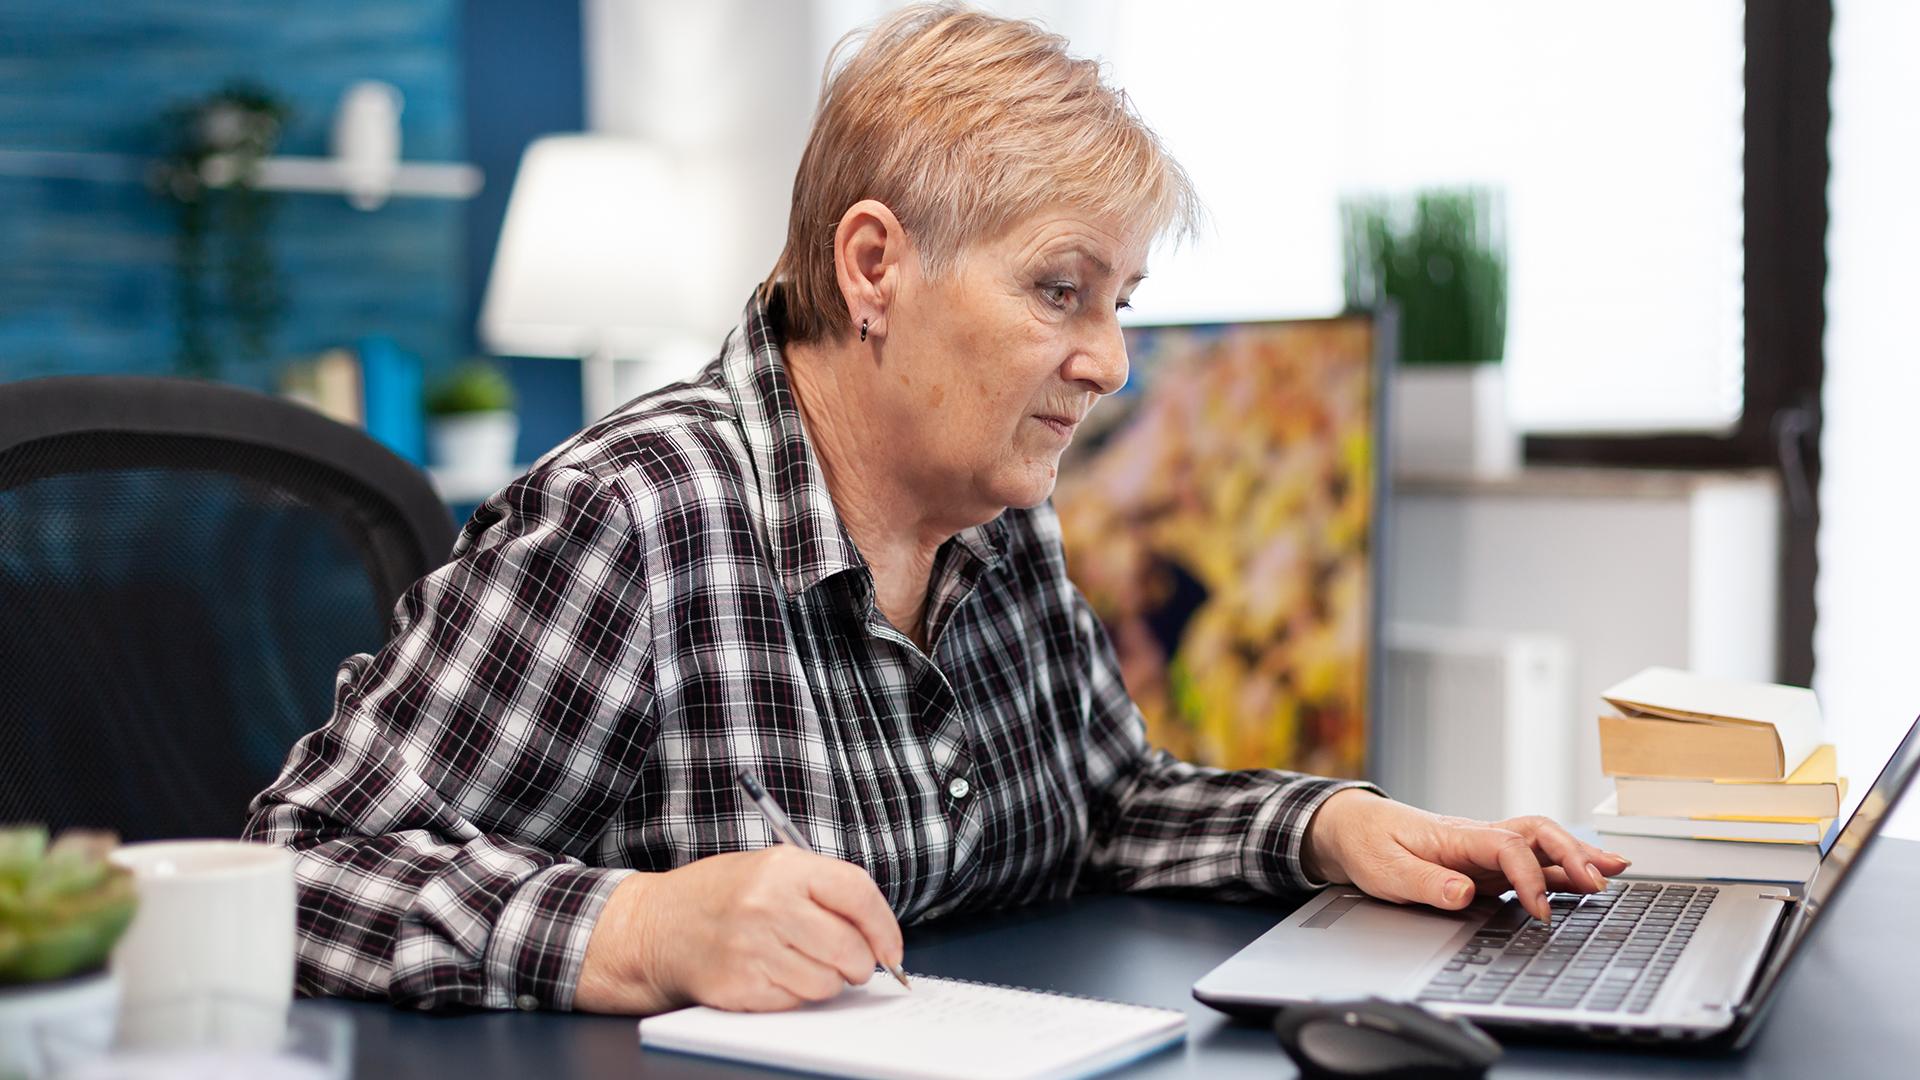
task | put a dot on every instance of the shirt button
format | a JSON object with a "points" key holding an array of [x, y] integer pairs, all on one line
{"points": [[958, 787], [527, 1002]]}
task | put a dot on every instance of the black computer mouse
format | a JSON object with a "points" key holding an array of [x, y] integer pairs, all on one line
{"points": [[1382, 1040]]}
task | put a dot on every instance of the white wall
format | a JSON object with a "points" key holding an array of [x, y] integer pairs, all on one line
{"points": [[727, 87], [1632, 569], [1867, 637]]}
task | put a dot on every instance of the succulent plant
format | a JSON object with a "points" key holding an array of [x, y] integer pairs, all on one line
{"points": [[62, 905]]}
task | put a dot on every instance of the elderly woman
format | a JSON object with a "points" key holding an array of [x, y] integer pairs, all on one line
{"points": [[830, 558]]}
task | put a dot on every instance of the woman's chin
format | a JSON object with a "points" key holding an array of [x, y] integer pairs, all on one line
{"points": [[1026, 488]]}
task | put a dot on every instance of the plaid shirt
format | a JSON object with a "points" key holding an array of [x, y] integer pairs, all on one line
{"points": [[670, 596]]}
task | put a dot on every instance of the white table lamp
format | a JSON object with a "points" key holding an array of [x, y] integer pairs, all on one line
{"points": [[597, 259]]}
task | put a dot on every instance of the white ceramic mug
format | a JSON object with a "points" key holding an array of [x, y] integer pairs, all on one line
{"points": [[215, 924]]}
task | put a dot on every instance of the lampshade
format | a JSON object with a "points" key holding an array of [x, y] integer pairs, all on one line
{"points": [[596, 258]]}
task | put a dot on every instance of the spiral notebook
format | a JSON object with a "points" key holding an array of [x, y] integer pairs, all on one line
{"points": [[943, 1028]]}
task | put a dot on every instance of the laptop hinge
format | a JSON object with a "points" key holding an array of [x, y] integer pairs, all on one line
{"points": [[1759, 991]]}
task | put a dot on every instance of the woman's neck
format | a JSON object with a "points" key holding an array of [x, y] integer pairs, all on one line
{"points": [[896, 532]]}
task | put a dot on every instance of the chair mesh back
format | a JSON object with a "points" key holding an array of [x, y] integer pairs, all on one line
{"points": [[172, 612]]}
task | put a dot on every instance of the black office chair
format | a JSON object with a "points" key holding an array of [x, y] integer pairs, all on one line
{"points": [[183, 566]]}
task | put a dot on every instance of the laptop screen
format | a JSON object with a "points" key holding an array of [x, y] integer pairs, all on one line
{"points": [[1867, 818], [1842, 851]]}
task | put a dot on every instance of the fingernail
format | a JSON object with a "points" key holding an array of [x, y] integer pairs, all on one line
{"points": [[1599, 879], [1622, 858], [1454, 890]]}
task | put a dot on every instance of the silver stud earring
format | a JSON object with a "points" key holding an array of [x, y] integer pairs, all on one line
{"points": [[863, 329]]}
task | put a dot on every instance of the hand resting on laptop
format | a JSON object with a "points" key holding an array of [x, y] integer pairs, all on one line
{"points": [[1404, 854]]}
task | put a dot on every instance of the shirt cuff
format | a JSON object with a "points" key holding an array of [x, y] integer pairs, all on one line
{"points": [[539, 942], [1276, 840]]}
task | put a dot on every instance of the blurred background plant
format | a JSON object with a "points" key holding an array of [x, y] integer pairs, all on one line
{"points": [[471, 426], [1440, 256], [211, 175], [476, 386], [62, 905]]}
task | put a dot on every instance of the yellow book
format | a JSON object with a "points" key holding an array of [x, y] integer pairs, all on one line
{"points": [[1815, 790]]}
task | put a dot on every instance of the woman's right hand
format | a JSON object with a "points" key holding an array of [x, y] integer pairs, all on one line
{"points": [[750, 930]]}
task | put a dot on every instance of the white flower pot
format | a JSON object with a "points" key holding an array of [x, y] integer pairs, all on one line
{"points": [[25, 1010], [478, 444], [1451, 418]]}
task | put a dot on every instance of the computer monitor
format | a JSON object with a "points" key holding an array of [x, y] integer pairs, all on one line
{"points": [[1222, 515]]}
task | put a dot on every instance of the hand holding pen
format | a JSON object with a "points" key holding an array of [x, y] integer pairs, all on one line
{"points": [[784, 828], [760, 930]]}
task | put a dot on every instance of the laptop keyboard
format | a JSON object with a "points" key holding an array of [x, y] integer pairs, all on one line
{"points": [[1609, 951]]}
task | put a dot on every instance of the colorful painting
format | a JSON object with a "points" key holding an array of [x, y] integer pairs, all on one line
{"points": [[1219, 516]]}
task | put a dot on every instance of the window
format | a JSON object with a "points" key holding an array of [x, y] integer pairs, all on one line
{"points": [[1869, 586], [1615, 134]]}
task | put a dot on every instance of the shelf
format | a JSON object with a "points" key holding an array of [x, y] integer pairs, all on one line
{"points": [[1564, 481], [312, 175], [465, 487]]}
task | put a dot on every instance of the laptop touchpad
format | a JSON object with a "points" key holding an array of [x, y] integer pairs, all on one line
{"points": [[1351, 945]]}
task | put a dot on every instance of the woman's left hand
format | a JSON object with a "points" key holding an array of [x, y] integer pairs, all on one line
{"points": [[1404, 854]]}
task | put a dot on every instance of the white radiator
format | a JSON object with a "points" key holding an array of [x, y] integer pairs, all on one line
{"points": [[1477, 723]]}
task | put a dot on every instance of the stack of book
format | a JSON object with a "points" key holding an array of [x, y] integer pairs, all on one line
{"points": [[1716, 779]]}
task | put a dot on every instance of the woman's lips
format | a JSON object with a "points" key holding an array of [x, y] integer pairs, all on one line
{"points": [[1059, 425]]}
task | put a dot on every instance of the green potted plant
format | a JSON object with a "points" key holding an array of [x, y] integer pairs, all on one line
{"points": [[471, 426], [216, 148], [1439, 257], [62, 908]]}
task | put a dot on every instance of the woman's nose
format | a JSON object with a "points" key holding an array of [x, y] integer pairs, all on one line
{"points": [[1102, 364]]}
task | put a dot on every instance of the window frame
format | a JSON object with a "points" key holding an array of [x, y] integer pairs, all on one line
{"points": [[1784, 206]]}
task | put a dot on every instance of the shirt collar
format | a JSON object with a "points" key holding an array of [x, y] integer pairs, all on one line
{"points": [[809, 541]]}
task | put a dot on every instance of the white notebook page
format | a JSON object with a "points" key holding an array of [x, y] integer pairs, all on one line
{"points": [[942, 1028]]}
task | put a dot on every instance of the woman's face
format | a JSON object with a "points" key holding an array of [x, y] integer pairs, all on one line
{"points": [[986, 371]]}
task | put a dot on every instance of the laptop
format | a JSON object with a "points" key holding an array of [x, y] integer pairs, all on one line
{"points": [[1648, 960]]}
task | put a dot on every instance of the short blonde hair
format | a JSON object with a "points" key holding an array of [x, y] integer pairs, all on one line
{"points": [[963, 123]]}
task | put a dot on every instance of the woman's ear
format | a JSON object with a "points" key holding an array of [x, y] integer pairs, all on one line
{"points": [[869, 248]]}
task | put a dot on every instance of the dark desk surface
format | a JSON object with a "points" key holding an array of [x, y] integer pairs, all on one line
{"points": [[1847, 1009]]}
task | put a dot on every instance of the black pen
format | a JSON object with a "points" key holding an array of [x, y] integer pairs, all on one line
{"points": [[784, 828]]}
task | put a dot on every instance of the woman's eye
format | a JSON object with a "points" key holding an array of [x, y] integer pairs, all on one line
{"points": [[1123, 305], [1059, 294]]}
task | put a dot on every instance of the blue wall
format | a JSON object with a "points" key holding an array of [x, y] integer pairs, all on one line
{"points": [[523, 79], [86, 278], [86, 267]]}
